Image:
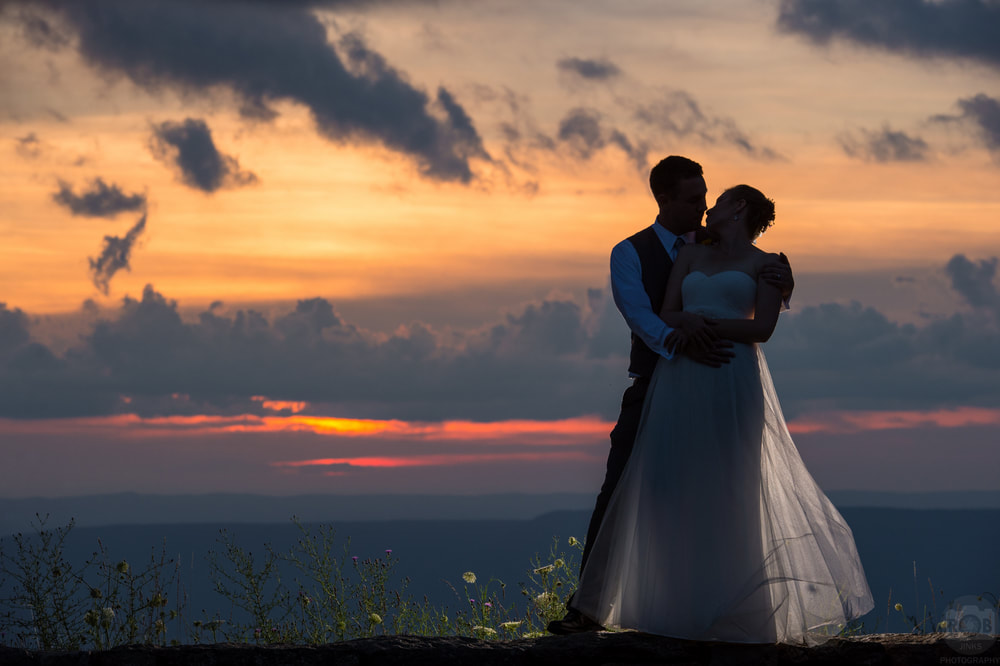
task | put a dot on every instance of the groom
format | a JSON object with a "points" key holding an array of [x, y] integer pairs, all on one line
{"points": [[640, 266]]}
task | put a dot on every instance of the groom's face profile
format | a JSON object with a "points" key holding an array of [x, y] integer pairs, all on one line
{"points": [[682, 209]]}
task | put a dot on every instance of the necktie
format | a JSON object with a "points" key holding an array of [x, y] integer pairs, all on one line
{"points": [[678, 244]]}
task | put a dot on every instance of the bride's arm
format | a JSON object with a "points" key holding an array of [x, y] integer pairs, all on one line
{"points": [[765, 316]]}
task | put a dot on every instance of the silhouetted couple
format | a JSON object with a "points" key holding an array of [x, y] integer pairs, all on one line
{"points": [[708, 525]]}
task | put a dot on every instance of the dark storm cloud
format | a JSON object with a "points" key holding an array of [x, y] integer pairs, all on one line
{"points": [[189, 147], [534, 364], [884, 145], [552, 359], [590, 70], [28, 146], [678, 114], [974, 281], [269, 52], [954, 28], [115, 256], [980, 113], [583, 130], [101, 200]]}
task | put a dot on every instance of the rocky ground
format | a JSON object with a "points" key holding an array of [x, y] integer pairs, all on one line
{"points": [[580, 650]]}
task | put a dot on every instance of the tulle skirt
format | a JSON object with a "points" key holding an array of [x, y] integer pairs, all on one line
{"points": [[716, 530]]}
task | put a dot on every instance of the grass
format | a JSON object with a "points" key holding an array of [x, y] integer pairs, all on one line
{"points": [[313, 593], [53, 604]]}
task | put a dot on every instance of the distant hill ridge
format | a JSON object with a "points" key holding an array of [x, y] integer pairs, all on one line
{"points": [[135, 508]]}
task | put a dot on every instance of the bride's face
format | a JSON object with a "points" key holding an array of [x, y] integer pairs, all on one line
{"points": [[725, 209]]}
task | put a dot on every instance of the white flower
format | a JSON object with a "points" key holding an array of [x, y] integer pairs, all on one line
{"points": [[548, 568], [572, 541], [375, 618], [510, 626], [486, 632], [469, 577], [545, 598]]}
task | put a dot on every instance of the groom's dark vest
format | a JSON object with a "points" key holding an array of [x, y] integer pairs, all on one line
{"points": [[656, 265]]}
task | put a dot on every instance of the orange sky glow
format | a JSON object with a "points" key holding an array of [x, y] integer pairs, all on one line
{"points": [[422, 282]]}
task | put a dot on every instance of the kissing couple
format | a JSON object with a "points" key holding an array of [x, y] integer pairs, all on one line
{"points": [[708, 525]]}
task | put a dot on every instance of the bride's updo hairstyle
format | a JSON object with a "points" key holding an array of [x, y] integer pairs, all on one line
{"points": [[760, 209]]}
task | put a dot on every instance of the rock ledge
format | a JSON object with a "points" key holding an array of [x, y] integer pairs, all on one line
{"points": [[595, 649]]}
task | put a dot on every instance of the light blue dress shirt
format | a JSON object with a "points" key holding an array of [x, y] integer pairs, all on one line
{"points": [[630, 296]]}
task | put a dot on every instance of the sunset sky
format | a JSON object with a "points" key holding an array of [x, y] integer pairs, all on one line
{"points": [[362, 246]]}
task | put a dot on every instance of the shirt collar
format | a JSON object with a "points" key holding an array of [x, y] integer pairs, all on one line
{"points": [[667, 237]]}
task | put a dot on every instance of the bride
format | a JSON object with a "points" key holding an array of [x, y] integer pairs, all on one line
{"points": [[716, 530]]}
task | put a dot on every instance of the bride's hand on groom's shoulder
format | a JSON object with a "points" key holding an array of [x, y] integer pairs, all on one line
{"points": [[777, 272]]}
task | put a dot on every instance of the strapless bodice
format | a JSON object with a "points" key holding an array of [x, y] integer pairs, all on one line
{"points": [[724, 295]]}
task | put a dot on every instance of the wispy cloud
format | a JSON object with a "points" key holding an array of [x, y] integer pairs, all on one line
{"points": [[678, 114], [188, 146], [588, 69], [115, 255], [884, 145], [28, 146], [584, 131], [100, 200], [862, 421], [981, 114]]}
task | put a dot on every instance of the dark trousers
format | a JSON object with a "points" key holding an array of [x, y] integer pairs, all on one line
{"points": [[622, 439]]}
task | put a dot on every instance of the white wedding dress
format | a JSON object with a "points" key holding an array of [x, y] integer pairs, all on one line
{"points": [[716, 530]]}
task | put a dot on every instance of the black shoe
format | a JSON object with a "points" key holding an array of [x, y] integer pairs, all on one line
{"points": [[574, 622]]}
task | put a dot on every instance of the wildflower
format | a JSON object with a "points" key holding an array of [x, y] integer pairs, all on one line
{"points": [[160, 626], [95, 593], [122, 567], [341, 626], [510, 626], [548, 568], [92, 618], [545, 598], [158, 600], [572, 541], [484, 632], [388, 551], [558, 564], [943, 624], [898, 607], [375, 618], [304, 598], [107, 615], [487, 605], [469, 577], [355, 558], [472, 601]]}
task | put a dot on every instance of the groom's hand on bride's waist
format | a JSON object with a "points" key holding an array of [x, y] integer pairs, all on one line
{"points": [[714, 355]]}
